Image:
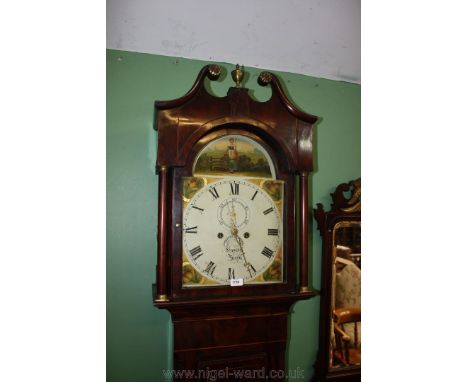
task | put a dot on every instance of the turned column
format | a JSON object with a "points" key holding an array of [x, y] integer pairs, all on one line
{"points": [[304, 230], [162, 236]]}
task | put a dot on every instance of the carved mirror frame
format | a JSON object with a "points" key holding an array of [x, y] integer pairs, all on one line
{"points": [[344, 211]]}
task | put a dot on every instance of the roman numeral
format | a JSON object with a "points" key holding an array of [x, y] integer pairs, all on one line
{"points": [[196, 252], [231, 274], [266, 212], [191, 229], [254, 195], [198, 208], [214, 192], [234, 188], [267, 252], [272, 232], [210, 268]]}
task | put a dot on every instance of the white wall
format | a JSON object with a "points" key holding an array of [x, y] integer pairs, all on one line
{"points": [[312, 37]]}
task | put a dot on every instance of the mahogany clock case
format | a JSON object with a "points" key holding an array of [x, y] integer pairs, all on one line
{"points": [[185, 126], [243, 327]]}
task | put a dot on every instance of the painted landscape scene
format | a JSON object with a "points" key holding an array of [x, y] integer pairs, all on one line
{"points": [[235, 155]]}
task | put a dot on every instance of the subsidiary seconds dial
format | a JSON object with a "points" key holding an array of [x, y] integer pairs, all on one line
{"points": [[231, 229]]}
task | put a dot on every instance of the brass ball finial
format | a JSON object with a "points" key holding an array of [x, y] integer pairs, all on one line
{"points": [[237, 75], [214, 72], [264, 78]]}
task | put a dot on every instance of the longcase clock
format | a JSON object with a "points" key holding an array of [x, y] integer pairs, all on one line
{"points": [[229, 217]]}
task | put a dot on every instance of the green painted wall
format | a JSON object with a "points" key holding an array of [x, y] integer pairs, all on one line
{"points": [[139, 336]]}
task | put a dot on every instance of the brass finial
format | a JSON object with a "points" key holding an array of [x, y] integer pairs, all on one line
{"points": [[237, 74], [213, 72]]}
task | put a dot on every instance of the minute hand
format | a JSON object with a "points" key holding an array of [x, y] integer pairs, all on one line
{"points": [[249, 266], [234, 232], [239, 241]]}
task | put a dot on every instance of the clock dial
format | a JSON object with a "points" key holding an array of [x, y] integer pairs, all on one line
{"points": [[232, 228]]}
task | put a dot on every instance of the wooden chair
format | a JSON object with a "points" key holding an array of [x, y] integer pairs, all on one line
{"points": [[347, 352]]}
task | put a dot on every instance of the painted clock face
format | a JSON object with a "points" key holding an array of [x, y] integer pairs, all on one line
{"points": [[232, 229]]}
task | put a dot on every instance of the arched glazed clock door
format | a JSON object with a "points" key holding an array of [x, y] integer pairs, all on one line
{"points": [[227, 224]]}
